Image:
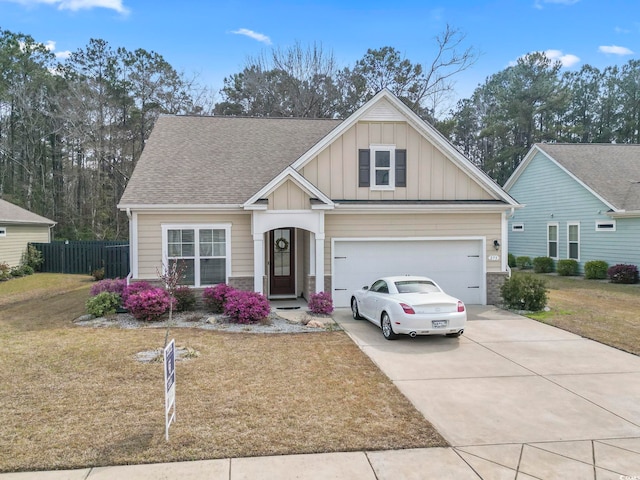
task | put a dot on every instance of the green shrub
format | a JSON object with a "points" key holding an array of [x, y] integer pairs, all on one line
{"points": [[98, 274], [185, 299], [18, 271], [524, 292], [523, 263], [5, 271], [104, 303], [511, 260], [32, 257], [567, 267], [543, 265], [596, 270]]}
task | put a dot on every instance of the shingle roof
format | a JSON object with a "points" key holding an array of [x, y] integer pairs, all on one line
{"points": [[10, 213], [217, 160], [611, 170]]}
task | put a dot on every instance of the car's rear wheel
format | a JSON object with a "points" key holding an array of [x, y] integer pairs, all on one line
{"points": [[387, 329], [354, 309]]}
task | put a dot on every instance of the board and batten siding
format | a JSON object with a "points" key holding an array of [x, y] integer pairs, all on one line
{"points": [[430, 174], [14, 243], [150, 240], [288, 196], [414, 225], [550, 195]]}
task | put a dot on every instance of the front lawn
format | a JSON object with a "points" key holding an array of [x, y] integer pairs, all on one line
{"points": [[75, 396], [606, 312]]}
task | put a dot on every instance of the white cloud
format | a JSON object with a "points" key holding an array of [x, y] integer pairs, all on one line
{"points": [[539, 4], [567, 60], [621, 30], [615, 50], [75, 5], [251, 34]]}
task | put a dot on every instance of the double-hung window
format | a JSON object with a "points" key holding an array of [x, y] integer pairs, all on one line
{"points": [[573, 240], [383, 168], [203, 252], [552, 240]]}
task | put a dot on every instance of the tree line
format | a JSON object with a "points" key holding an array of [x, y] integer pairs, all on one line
{"points": [[71, 131], [533, 101]]}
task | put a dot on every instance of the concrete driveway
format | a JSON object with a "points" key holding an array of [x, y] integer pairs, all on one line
{"points": [[517, 399]]}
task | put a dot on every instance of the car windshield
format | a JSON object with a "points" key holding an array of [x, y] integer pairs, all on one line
{"points": [[416, 286]]}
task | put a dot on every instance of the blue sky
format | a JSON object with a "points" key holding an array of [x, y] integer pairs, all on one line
{"points": [[213, 38]]}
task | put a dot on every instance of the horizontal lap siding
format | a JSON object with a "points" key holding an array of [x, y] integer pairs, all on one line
{"points": [[150, 240], [546, 190], [14, 244], [413, 225]]}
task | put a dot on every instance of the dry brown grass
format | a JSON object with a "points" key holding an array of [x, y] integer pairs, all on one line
{"points": [[73, 397], [606, 312]]}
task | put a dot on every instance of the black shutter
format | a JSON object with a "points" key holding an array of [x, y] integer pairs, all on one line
{"points": [[401, 168], [364, 165]]}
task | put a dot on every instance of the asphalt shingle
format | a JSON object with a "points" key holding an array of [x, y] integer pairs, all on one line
{"points": [[10, 213], [611, 170], [193, 160]]}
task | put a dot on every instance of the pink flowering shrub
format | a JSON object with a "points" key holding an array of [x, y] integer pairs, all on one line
{"points": [[321, 303], [133, 289], [215, 297], [111, 285], [148, 305], [246, 307]]}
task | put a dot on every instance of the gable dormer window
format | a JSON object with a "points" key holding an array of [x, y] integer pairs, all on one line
{"points": [[382, 167]]}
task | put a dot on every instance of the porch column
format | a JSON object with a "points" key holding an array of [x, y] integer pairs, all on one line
{"points": [[319, 262], [258, 262]]}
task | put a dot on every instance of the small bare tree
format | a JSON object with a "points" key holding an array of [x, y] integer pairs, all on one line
{"points": [[171, 276]]}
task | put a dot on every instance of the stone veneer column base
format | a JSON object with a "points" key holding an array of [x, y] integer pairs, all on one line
{"points": [[241, 283], [494, 284]]}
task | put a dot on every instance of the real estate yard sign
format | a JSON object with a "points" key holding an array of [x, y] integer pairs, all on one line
{"points": [[169, 385]]}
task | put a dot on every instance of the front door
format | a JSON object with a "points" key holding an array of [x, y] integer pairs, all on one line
{"points": [[281, 270]]}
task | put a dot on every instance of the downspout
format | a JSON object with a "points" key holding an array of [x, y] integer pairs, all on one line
{"points": [[130, 274]]}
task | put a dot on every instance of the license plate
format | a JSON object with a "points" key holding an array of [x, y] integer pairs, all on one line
{"points": [[438, 323]]}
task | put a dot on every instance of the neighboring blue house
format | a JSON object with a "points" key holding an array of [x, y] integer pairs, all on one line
{"points": [[581, 201]]}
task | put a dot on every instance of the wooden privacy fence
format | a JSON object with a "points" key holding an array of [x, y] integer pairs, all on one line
{"points": [[85, 257]]}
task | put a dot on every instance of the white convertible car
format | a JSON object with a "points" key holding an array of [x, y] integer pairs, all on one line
{"points": [[409, 305]]}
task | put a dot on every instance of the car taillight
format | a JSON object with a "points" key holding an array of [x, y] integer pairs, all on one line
{"points": [[460, 306], [407, 308]]}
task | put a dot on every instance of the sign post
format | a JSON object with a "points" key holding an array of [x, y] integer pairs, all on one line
{"points": [[169, 385]]}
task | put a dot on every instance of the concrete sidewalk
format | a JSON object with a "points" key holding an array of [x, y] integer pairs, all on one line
{"points": [[516, 399]]}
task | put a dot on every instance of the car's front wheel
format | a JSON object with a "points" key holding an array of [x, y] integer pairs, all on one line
{"points": [[387, 329], [354, 309]]}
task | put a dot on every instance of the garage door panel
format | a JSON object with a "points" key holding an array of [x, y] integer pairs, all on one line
{"points": [[454, 264]]}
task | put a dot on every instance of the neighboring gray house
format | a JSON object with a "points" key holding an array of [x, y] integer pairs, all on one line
{"points": [[581, 201], [18, 227]]}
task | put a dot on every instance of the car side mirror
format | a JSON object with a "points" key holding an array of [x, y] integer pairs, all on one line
{"points": [[366, 287]]}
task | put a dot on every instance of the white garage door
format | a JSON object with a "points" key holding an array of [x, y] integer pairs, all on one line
{"points": [[456, 265]]}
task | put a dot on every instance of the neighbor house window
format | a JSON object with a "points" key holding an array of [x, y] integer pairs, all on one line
{"points": [[203, 251], [573, 239], [605, 226], [517, 227], [552, 240], [3, 231]]}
